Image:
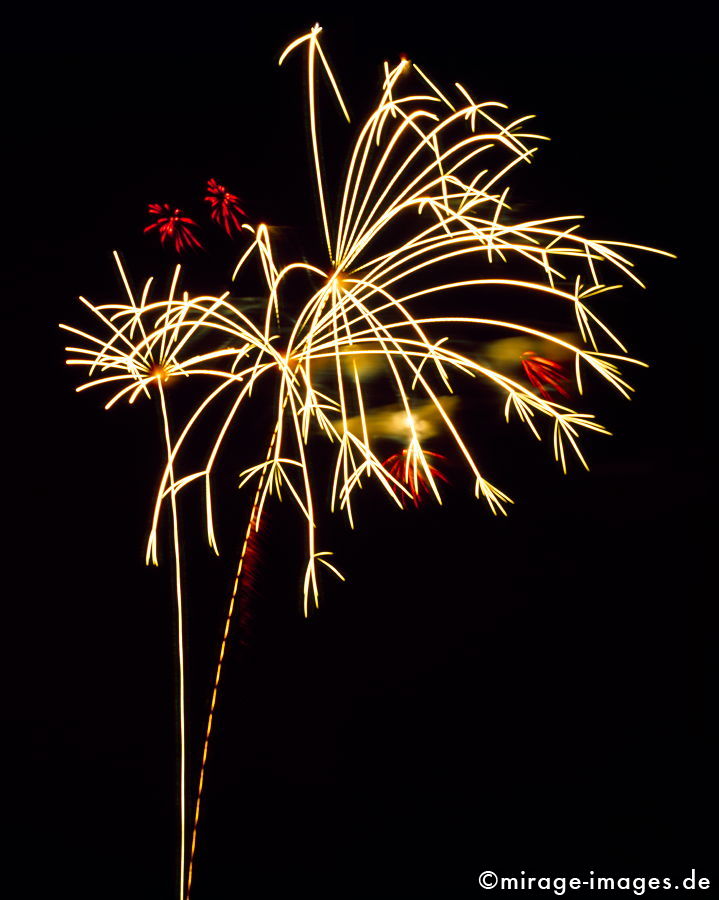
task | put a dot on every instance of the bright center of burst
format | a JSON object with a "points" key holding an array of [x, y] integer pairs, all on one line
{"points": [[159, 372]]}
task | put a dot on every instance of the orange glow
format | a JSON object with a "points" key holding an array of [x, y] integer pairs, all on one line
{"points": [[159, 372]]}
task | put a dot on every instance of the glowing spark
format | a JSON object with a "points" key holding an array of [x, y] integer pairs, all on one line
{"points": [[418, 475], [173, 227], [225, 207], [545, 374]]}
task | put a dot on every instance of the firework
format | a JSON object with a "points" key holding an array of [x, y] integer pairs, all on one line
{"points": [[173, 227], [146, 345], [545, 374], [419, 231], [406, 470], [414, 171], [225, 207]]}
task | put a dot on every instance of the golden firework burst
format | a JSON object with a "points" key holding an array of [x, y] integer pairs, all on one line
{"points": [[422, 242]]}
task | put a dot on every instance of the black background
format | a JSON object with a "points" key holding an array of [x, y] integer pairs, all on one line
{"points": [[531, 693]]}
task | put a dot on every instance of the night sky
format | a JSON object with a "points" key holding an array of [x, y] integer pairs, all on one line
{"points": [[531, 693]]}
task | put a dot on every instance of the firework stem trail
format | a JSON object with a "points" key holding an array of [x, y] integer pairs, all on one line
{"points": [[180, 642], [252, 524]]}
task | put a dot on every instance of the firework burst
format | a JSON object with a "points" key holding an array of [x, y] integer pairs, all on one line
{"points": [[420, 238], [406, 470], [225, 207], [545, 375], [173, 227], [145, 345]]}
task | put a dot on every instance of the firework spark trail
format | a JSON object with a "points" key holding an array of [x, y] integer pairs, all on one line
{"points": [[180, 633], [253, 526], [414, 202]]}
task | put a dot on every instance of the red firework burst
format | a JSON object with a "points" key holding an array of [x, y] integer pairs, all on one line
{"points": [[225, 207], [414, 478], [173, 226], [545, 374]]}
